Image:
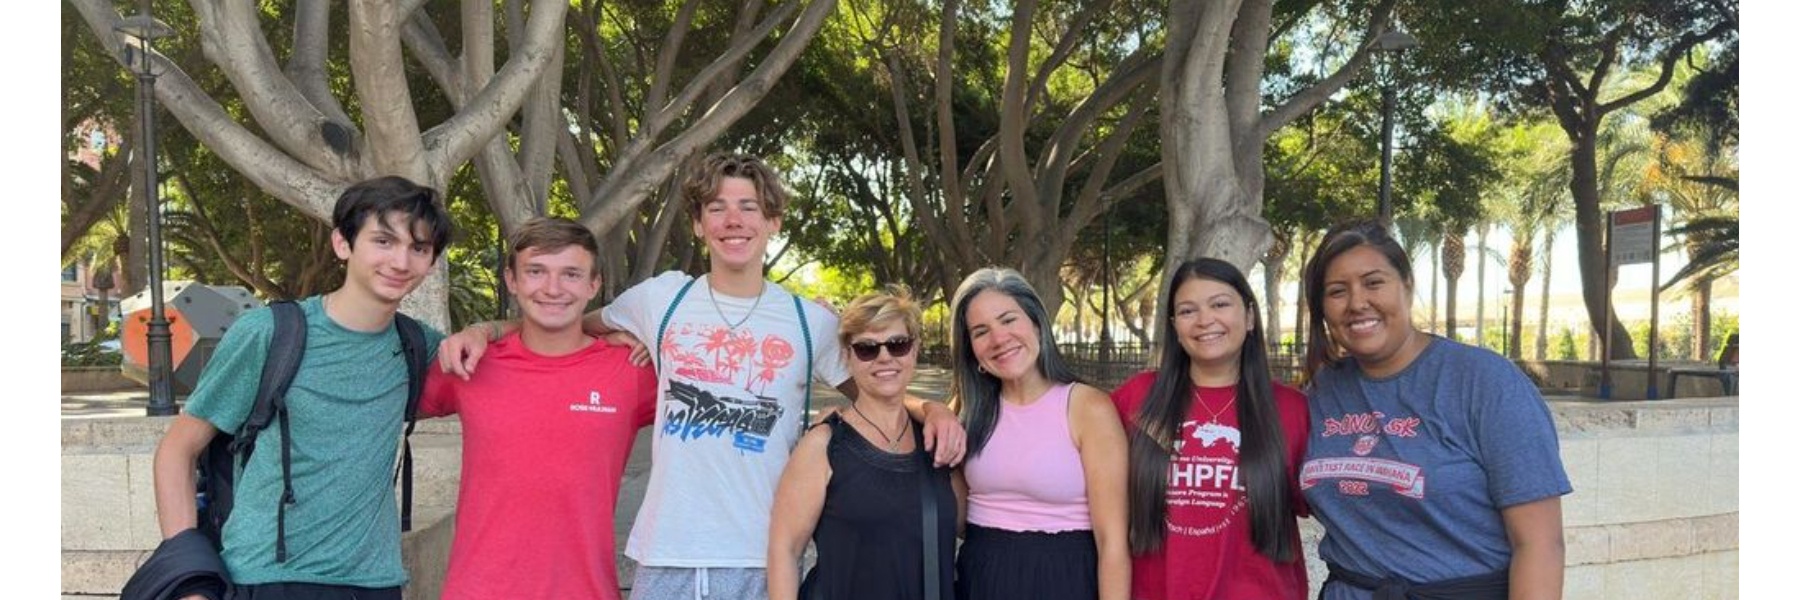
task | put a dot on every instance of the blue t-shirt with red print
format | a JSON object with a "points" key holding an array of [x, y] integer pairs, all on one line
{"points": [[1408, 473]]}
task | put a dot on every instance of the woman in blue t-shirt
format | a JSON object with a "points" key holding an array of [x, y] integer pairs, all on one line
{"points": [[1433, 465]]}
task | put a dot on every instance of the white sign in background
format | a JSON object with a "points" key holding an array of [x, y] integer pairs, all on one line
{"points": [[1633, 238]]}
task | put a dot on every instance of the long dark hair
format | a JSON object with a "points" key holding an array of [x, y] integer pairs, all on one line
{"points": [[975, 394], [1321, 351], [1262, 453]]}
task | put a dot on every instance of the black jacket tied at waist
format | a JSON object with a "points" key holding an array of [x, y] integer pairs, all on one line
{"points": [[182, 565], [1487, 586]]}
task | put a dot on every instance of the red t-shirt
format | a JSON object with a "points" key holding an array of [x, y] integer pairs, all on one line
{"points": [[544, 445], [1208, 553]]}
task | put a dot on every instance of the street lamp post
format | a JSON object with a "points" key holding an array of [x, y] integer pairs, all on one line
{"points": [[1390, 44], [139, 32]]}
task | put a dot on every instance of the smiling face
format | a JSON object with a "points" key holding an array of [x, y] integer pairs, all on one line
{"points": [[1211, 321], [1002, 336], [389, 257], [735, 227], [886, 376], [1368, 309], [552, 288]]}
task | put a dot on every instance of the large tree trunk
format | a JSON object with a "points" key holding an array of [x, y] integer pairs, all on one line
{"points": [[1590, 229], [1273, 264], [1214, 124], [134, 253]]}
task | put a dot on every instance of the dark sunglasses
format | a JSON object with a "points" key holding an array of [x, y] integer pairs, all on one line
{"points": [[868, 351]]}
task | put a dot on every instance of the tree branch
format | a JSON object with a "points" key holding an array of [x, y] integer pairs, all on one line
{"points": [[670, 51], [306, 65], [232, 38], [458, 138], [378, 73], [630, 182], [1304, 101], [1674, 54]]}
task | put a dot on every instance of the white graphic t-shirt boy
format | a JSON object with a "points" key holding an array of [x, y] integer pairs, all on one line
{"points": [[729, 403]]}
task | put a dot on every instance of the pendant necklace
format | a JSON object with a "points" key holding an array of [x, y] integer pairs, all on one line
{"points": [[1213, 417], [721, 310], [893, 442]]}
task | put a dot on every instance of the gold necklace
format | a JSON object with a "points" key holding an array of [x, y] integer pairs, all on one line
{"points": [[905, 425], [1214, 414]]}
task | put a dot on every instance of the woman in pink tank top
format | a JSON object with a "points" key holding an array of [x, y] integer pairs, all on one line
{"points": [[1047, 456]]}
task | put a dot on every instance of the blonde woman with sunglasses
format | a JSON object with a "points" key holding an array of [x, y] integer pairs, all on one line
{"points": [[860, 486]]}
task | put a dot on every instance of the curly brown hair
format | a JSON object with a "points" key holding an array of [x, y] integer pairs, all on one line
{"points": [[702, 182]]}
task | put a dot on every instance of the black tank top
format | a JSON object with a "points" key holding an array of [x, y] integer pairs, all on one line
{"points": [[869, 538]]}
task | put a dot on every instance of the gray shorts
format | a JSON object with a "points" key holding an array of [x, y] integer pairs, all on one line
{"points": [[682, 583]]}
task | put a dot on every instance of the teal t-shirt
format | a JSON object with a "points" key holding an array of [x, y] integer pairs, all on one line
{"points": [[347, 406]]}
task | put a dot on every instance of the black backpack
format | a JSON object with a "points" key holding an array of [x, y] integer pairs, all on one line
{"points": [[227, 452]]}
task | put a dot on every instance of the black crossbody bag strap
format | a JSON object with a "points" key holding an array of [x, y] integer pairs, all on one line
{"points": [[929, 533]]}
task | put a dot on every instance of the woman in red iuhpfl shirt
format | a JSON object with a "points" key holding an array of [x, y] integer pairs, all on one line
{"points": [[1214, 446]]}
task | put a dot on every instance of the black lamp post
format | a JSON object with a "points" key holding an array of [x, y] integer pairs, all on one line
{"points": [[139, 31], [1390, 44]]}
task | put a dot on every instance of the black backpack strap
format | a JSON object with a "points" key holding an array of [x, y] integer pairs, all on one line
{"points": [[287, 346], [412, 344]]}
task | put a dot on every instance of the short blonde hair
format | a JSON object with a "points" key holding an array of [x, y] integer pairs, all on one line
{"points": [[874, 309]]}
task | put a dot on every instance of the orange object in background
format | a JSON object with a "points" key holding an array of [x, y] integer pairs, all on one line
{"points": [[136, 337], [198, 316]]}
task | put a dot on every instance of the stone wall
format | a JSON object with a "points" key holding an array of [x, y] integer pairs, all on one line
{"points": [[95, 379], [109, 507], [1655, 508]]}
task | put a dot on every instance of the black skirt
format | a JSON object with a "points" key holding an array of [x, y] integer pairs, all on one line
{"points": [[996, 564]]}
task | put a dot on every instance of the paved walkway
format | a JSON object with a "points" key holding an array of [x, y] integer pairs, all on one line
{"points": [[92, 405]]}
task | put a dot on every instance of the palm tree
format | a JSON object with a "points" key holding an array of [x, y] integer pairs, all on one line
{"points": [[1453, 257], [1535, 198], [1419, 237], [1701, 187]]}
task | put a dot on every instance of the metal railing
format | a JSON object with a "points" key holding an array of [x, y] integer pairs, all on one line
{"points": [[1106, 367]]}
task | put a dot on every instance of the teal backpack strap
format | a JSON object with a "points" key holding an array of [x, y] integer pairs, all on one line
{"points": [[664, 326], [807, 377]]}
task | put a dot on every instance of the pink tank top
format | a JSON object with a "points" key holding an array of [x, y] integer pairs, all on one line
{"points": [[1028, 477]]}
